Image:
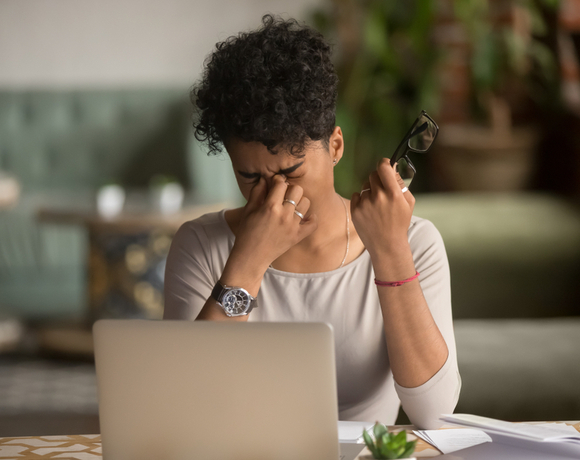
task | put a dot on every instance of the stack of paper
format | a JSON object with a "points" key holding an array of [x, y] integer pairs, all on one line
{"points": [[531, 441], [350, 438], [451, 440], [351, 432]]}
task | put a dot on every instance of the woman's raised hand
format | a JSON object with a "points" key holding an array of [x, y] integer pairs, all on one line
{"points": [[271, 222], [382, 212]]}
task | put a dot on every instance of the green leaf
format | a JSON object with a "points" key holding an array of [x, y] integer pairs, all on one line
{"points": [[401, 437], [409, 449], [368, 441], [544, 59], [375, 452], [554, 4], [379, 430], [375, 34], [380, 443]]}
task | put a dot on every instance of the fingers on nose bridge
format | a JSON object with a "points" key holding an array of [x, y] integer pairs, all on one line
{"points": [[271, 178]]}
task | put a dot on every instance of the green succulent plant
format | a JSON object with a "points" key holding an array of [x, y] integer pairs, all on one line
{"points": [[388, 445]]}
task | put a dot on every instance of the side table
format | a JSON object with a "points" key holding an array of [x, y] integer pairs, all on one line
{"points": [[126, 257], [125, 267]]}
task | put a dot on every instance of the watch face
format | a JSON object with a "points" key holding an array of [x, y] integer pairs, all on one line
{"points": [[236, 302]]}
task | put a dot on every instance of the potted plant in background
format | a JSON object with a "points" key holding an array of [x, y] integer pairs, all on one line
{"points": [[166, 193], [507, 56], [388, 445], [386, 66]]}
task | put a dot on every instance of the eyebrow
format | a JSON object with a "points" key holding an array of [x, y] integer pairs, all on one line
{"points": [[286, 171]]}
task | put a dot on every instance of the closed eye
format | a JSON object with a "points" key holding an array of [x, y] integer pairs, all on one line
{"points": [[294, 177], [257, 179], [256, 176]]}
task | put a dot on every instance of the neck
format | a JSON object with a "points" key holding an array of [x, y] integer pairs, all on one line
{"points": [[325, 249], [331, 221]]}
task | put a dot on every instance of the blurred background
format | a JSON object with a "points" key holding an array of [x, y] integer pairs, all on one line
{"points": [[98, 168]]}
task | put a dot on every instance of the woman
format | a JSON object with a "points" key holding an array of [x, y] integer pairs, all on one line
{"points": [[298, 251]]}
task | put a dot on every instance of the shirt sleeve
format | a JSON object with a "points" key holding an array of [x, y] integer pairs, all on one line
{"points": [[189, 277], [426, 403]]}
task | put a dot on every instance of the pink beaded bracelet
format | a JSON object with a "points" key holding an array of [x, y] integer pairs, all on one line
{"points": [[396, 283]]}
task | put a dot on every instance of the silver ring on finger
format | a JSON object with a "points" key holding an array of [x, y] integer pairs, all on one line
{"points": [[404, 189], [299, 214], [364, 190], [286, 200]]}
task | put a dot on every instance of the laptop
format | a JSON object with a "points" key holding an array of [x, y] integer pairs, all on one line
{"points": [[177, 390]]}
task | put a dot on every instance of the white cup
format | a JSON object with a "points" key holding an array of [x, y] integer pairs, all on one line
{"points": [[168, 197], [110, 200]]}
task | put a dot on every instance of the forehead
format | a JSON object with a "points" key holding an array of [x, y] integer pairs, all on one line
{"points": [[255, 156]]}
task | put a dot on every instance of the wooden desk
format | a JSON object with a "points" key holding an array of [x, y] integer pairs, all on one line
{"points": [[88, 447]]}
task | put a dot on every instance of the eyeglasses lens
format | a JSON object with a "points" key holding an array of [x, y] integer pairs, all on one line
{"points": [[405, 171], [423, 136]]}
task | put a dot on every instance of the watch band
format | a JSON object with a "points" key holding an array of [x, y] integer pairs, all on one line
{"points": [[219, 292]]}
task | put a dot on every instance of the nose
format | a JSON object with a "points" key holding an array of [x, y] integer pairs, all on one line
{"points": [[270, 180]]}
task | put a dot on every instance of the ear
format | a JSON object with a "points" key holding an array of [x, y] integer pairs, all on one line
{"points": [[336, 145]]}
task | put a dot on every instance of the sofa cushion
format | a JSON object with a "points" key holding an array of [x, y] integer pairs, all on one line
{"points": [[525, 369], [510, 255]]}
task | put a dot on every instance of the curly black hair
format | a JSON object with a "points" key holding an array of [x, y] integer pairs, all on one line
{"points": [[275, 85]]}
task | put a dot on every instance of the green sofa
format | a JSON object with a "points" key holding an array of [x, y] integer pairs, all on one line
{"points": [[511, 255], [63, 145], [515, 266]]}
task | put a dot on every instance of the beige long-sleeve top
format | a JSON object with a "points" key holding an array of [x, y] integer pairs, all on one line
{"points": [[346, 298]]}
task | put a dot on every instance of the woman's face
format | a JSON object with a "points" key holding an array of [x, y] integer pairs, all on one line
{"points": [[313, 171]]}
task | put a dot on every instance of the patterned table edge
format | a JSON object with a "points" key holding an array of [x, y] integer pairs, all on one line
{"points": [[72, 447], [88, 447]]}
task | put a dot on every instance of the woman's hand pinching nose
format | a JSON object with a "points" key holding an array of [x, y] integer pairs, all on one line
{"points": [[274, 219]]}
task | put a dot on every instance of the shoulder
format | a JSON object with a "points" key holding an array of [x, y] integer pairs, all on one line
{"points": [[424, 237], [205, 226], [208, 230], [420, 227]]}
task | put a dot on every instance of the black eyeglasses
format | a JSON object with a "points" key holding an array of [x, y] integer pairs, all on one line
{"points": [[419, 138]]}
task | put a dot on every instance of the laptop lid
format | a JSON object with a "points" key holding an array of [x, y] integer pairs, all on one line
{"points": [[181, 390]]}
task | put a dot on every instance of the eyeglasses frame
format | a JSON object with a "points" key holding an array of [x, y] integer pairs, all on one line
{"points": [[407, 138]]}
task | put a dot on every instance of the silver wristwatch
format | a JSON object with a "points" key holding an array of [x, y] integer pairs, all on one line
{"points": [[235, 301]]}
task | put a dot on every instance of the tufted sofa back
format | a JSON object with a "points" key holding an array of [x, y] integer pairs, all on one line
{"points": [[72, 139]]}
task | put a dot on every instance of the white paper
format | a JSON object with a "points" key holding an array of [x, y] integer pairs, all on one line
{"points": [[448, 441], [452, 440], [352, 431], [350, 451], [491, 451], [545, 432], [424, 436], [547, 438]]}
